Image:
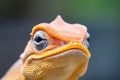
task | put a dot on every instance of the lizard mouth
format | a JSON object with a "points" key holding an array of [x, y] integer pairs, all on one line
{"points": [[70, 46], [64, 62]]}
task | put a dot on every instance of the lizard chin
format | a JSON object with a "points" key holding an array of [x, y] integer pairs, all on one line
{"points": [[69, 64]]}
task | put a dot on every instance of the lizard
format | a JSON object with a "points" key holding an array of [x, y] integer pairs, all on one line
{"points": [[56, 51]]}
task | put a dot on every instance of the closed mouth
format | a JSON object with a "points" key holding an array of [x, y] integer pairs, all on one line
{"points": [[72, 45]]}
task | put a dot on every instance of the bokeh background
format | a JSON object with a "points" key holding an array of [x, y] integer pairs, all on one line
{"points": [[102, 17]]}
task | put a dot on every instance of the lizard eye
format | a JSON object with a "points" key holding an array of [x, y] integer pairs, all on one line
{"points": [[40, 40], [88, 39]]}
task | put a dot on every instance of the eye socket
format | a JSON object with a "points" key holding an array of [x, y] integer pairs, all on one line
{"points": [[40, 40]]}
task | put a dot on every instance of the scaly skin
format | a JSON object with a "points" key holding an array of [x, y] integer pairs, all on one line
{"points": [[65, 57]]}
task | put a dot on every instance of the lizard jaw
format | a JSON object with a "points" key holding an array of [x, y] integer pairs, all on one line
{"points": [[72, 59], [71, 45], [54, 66]]}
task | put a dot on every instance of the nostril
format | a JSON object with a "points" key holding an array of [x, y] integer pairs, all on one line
{"points": [[63, 43]]}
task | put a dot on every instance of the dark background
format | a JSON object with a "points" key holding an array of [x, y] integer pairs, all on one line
{"points": [[102, 17]]}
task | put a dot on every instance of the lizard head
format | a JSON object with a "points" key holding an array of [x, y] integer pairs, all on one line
{"points": [[56, 51]]}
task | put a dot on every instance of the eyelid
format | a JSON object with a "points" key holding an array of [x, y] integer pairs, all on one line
{"points": [[42, 34], [88, 35]]}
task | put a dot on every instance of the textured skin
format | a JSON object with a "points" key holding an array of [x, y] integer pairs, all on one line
{"points": [[50, 68], [65, 58]]}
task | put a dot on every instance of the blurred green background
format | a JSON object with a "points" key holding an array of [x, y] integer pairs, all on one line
{"points": [[102, 17]]}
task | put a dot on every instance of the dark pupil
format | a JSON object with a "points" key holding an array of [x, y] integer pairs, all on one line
{"points": [[38, 39], [40, 43], [88, 39]]}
